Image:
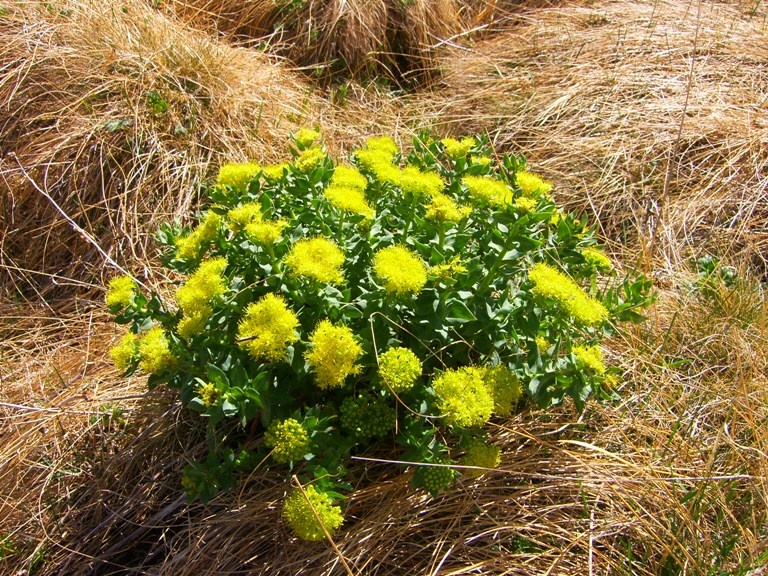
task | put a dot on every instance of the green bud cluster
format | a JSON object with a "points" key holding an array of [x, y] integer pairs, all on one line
{"points": [[480, 454], [367, 417], [288, 439], [433, 478]]}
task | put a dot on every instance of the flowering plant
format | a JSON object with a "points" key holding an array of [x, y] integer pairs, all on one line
{"points": [[321, 306]]}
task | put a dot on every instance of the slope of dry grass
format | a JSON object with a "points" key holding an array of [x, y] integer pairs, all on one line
{"points": [[671, 480]]}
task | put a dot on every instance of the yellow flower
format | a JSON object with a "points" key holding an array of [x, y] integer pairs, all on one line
{"points": [[237, 175], [380, 165], [548, 282], [268, 328], [304, 137], [399, 368], [447, 269], [597, 258], [532, 185], [488, 190], [349, 200], [195, 296], [543, 344], [243, 215], [525, 204], [383, 144], [275, 171], [197, 241], [208, 393], [124, 351], [458, 149], [463, 398], [590, 358], [267, 232], [481, 160], [310, 158], [349, 177], [309, 514], [504, 387], [333, 354], [154, 351], [414, 181], [444, 209], [317, 258], [120, 292], [402, 270]]}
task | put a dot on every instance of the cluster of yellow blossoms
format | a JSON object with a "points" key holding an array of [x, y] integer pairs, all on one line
{"points": [[548, 282], [468, 396]]}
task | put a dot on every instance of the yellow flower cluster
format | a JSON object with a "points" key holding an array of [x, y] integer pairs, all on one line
{"points": [[266, 231], [310, 158], [543, 344], [533, 185], [237, 175], [349, 177], [597, 258], [120, 292], [480, 454], [505, 388], [195, 296], [525, 204], [447, 269], [316, 258], [240, 216], [275, 171], [288, 439], [197, 241], [444, 209], [124, 351], [463, 397], [487, 190], [591, 358], [458, 148], [154, 351], [347, 192], [268, 328], [548, 282], [468, 396], [402, 270], [382, 144], [208, 393], [399, 368], [248, 217], [313, 515], [333, 354], [377, 158], [305, 137], [413, 181]]}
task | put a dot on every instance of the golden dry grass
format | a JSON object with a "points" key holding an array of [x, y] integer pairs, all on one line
{"points": [[671, 480], [361, 38]]}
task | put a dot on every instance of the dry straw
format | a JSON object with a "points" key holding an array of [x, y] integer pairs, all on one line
{"points": [[364, 38]]}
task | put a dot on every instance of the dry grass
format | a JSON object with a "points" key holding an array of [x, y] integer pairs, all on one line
{"points": [[362, 38], [672, 480]]}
